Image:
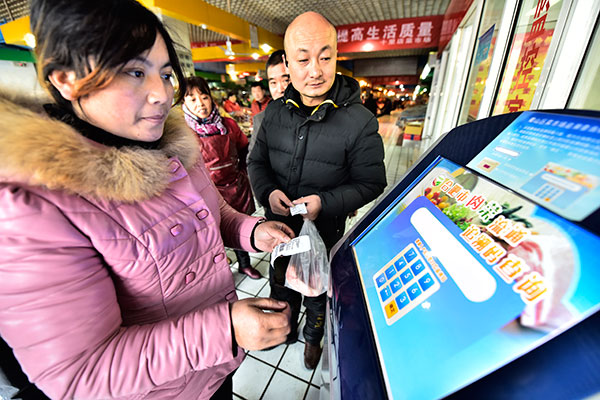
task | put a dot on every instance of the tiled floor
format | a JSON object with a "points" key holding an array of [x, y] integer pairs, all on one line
{"points": [[280, 373]]}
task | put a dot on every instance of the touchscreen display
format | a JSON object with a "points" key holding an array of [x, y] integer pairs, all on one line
{"points": [[462, 276], [553, 159]]}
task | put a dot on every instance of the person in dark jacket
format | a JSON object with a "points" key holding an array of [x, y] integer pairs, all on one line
{"points": [[224, 147], [384, 107], [278, 79], [317, 145], [370, 102]]}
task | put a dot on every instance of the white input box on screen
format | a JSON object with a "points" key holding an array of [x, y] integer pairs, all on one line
{"points": [[509, 152], [474, 281]]}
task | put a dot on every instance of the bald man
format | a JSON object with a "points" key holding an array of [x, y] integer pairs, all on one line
{"points": [[317, 145]]}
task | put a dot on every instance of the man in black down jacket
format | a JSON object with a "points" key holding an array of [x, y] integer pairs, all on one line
{"points": [[320, 146]]}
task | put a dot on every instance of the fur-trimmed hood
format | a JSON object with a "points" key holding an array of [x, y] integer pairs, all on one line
{"points": [[38, 151]]}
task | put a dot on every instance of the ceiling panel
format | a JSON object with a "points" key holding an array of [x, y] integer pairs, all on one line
{"points": [[275, 15], [199, 35], [13, 9]]}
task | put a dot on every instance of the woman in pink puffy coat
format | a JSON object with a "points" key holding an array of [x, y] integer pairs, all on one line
{"points": [[115, 282], [224, 148]]}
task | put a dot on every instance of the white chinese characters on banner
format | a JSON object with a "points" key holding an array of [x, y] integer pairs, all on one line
{"points": [[342, 36], [389, 32], [357, 34], [384, 35], [373, 33]]}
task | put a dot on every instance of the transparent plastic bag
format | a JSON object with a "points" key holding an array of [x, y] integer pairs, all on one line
{"points": [[308, 272]]}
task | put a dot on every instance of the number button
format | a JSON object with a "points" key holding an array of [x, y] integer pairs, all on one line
{"points": [[417, 267], [413, 291], [380, 280], [406, 276], [410, 255], [390, 272], [385, 293], [395, 285], [426, 282], [401, 263], [402, 300]]}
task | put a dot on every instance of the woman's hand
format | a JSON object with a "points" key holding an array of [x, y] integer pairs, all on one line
{"points": [[271, 233], [259, 323]]}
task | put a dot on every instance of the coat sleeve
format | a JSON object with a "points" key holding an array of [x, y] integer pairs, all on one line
{"points": [[236, 228], [59, 312], [262, 177], [240, 140], [256, 123], [366, 171]]}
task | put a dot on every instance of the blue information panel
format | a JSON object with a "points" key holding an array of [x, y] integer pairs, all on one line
{"points": [[553, 159], [462, 276]]}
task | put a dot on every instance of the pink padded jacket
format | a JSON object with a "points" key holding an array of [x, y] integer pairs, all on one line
{"points": [[113, 277]]}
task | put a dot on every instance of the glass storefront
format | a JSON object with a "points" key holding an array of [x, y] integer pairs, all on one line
{"points": [[585, 93], [531, 41], [480, 69]]}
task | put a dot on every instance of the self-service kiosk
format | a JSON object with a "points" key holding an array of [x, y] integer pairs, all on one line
{"points": [[477, 275]]}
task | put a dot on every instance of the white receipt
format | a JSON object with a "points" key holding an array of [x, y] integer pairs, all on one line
{"points": [[298, 209], [294, 246]]}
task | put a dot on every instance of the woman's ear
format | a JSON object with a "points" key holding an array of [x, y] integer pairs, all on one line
{"points": [[64, 82]]}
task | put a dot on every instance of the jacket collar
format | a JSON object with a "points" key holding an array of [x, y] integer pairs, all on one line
{"points": [[38, 151], [343, 92]]}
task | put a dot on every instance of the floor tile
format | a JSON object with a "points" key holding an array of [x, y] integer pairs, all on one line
{"points": [[293, 362], [252, 378], [259, 256], [301, 324], [272, 356], [313, 393], [243, 295], [284, 386], [317, 378], [265, 291], [263, 267], [252, 286], [260, 211], [231, 254], [237, 277]]}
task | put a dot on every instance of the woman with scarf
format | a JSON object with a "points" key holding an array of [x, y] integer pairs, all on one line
{"points": [[115, 282], [224, 148]]}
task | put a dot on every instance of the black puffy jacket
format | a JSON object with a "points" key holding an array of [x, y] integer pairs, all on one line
{"points": [[336, 153]]}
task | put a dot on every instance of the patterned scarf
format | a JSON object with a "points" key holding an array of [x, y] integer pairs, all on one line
{"points": [[212, 125]]}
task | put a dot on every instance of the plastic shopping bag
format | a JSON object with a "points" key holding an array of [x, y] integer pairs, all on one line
{"points": [[308, 272]]}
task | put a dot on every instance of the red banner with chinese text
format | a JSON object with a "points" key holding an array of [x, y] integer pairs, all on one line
{"points": [[452, 18], [407, 33], [533, 51]]}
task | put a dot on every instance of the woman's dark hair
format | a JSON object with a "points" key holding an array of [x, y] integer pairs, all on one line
{"points": [[229, 94], [199, 83], [71, 34]]}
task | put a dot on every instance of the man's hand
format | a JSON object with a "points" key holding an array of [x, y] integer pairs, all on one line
{"points": [[259, 323], [279, 203], [313, 206], [269, 234]]}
